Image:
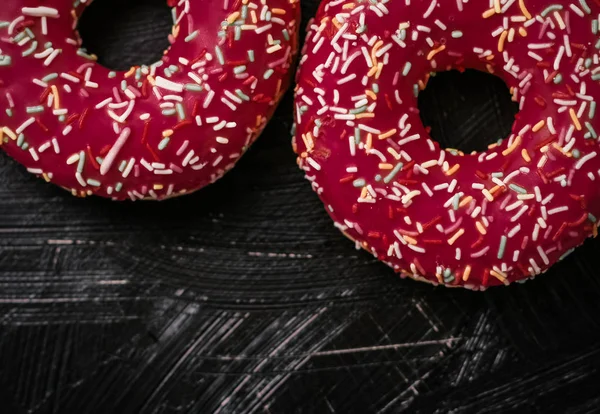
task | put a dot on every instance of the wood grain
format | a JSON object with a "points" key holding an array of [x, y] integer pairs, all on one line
{"points": [[243, 298]]}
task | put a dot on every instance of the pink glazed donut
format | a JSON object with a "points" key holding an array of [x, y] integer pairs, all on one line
{"points": [[436, 214], [153, 131]]}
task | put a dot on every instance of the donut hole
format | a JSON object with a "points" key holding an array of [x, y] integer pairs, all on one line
{"points": [[467, 111], [126, 33]]}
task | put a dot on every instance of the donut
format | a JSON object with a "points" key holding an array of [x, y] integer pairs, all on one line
{"points": [[437, 214], [153, 131]]}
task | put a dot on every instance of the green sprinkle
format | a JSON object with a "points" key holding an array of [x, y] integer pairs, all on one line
{"points": [[118, 187], [393, 173], [19, 37], [455, 201], [406, 69], [93, 183], [243, 96], [457, 34], [591, 129], [378, 177], [416, 90], [598, 44], [586, 8], [596, 77], [592, 218], [448, 276], [169, 112], [192, 36], [50, 77], [239, 69], [286, 34], [595, 26], [123, 84], [576, 154], [502, 247], [251, 55], [219, 54], [83, 54], [81, 162], [5, 60], [592, 109], [237, 33], [20, 140], [244, 11], [9, 112], [192, 87], [360, 182], [567, 253], [558, 79], [375, 88], [99, 160], [163, 143], [180, 111], [25, 146], [122, 166], [62, 118], [358, 110], [357, 136], [517, 188], [588, 63], [4, 25], [551, 8], [268, 73], [31, 49], [34, 109], [112, 74]]}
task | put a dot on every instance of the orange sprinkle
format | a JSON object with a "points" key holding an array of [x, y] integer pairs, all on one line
{"points": [[496, 188], [575, 119], [501, 41], [539, 126], [387, 134], [456, 236], [348, 6], [453, 170], [369, 143], [365, 115], [466, 273], [522, 31], [488, 13], [410, 240], [130, 72], [487, 194], [56, 97], [524, 9], [499, 276], [371, 94], [385, 166], [514, 146], [525, 155], [435, 52], [465, 201], [372, 71], [158, 187], [279, 11], [497, 7], [481, 228], [233, 16]]}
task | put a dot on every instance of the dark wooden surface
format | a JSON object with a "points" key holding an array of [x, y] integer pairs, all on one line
{"points": [[243, 298]]}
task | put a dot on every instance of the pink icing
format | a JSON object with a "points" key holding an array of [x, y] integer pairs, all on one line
{"points": [[155, 131], [471, 220]]}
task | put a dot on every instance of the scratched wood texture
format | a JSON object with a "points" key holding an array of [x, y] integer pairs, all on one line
{"points": [[243, 298]]}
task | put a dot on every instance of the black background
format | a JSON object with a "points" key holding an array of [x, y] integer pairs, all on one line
{"points": [[243, 298]]}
